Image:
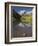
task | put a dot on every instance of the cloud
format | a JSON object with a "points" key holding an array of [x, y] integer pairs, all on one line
{"points": [[24, 12], [29, 12], [21, 12]]}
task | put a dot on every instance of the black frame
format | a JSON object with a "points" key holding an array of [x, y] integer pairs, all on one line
{"points": [[7, 21]]}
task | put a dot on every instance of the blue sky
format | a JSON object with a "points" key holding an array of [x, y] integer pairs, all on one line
{"points": [[21, 10]]}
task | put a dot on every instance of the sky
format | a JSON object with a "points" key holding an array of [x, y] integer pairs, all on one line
{"points": [[21, 10]]}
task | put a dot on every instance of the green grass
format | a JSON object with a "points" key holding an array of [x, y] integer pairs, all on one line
{"points": [[26, 19]]}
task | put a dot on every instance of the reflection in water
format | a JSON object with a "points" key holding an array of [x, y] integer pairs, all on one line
{"points": [[22, 30]]}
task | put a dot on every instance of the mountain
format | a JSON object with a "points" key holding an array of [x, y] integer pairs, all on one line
{"points": [[28, 13], [16, 15], [23, 12], [20, 13]]}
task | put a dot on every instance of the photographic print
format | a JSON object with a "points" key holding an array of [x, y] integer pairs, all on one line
{"points": [[21, 22]]}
